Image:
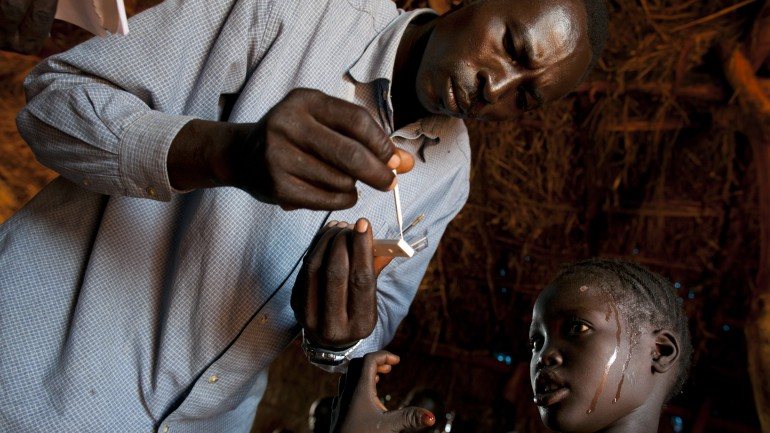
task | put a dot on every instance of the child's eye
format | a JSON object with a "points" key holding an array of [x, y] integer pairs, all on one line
{"points": [[578, 328]]}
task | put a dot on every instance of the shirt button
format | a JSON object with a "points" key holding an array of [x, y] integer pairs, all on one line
{"points": [[165, 428], [151, 192], [263, 319], [86, 182], [213, 378]]}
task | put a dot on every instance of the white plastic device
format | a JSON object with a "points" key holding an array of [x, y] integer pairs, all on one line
{"points": [[394, 247]]}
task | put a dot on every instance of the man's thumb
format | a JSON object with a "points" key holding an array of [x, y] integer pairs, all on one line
{"points": [[410, 419]]}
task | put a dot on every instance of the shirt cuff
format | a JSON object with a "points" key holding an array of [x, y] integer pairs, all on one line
{"points": [[144, 152]]}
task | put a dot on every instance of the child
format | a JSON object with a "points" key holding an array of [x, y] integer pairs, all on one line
{"points": [[610, 345], [358, 410]]}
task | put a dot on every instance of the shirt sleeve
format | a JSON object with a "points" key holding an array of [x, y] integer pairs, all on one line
{"points": [[104, 114]]}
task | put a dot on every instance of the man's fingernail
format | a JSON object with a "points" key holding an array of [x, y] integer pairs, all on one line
{"points": [[393, 184], [331, 223], [362, 225], [394, 161], [428, 419]]}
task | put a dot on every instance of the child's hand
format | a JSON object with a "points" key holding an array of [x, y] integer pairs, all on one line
{"points": [[359, 410]]}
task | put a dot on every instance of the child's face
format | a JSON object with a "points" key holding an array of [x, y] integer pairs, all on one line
{"points": [[585, 371]]}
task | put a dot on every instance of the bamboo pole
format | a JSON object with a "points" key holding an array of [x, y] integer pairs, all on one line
{"points": [[755, 104]]}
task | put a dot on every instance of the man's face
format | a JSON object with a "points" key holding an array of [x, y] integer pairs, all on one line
{"points": [[494, 58], [587, 371]]}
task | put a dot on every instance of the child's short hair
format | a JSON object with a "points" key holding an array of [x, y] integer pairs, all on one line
{"points": [[644, 297]]}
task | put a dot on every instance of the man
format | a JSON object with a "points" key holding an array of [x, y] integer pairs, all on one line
{"points": [[149, 287]]}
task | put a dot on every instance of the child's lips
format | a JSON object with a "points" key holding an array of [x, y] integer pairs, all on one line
{"points": [[549, 388], [551, 396]]}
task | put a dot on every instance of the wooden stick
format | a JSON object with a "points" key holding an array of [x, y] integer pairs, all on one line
{"points": [[756, 106], [713, 16]]}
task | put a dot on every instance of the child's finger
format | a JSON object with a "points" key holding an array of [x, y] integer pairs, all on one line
{"points": [[377, 362], [409, 419]]}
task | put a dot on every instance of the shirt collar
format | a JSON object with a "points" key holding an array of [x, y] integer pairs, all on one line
{"points": [[379, 57], [376, 63], [427, 126]]}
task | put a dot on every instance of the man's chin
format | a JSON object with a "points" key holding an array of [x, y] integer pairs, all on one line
{"points": [[429, 104]]}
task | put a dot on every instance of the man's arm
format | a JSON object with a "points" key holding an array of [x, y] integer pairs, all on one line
{"points": [[110, 115], [105, 113]]}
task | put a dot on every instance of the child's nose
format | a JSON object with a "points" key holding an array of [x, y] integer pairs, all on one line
{"points": [[549, 357]]}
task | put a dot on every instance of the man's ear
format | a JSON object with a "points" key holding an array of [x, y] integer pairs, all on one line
{"points": [[666, 351]]}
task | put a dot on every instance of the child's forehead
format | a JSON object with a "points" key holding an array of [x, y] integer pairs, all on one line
{"points": [[570, 297], [574, 288]]}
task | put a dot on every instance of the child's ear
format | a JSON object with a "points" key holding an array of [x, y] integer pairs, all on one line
{"points": [[666, 351]]}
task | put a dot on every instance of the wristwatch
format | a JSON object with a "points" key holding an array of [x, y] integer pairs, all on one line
{"points": [[322, 356]]}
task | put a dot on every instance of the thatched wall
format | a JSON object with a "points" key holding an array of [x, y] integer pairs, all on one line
{"points": [[652, 159]]}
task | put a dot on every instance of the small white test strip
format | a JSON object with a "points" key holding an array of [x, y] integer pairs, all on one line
{"points": [[394, 247], [399, 217]]}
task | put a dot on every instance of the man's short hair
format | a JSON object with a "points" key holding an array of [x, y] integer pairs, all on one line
{"points": [[598, 23]]}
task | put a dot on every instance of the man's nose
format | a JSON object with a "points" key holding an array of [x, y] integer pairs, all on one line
{"points": [[496, 85]]}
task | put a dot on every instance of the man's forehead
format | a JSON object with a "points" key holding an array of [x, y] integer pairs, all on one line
{"points": [[556, 39], [555, 35]]}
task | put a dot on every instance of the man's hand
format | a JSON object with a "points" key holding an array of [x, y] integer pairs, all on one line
{"points": [[358, 409], [309, 151], [25, 24], [334, 297]]}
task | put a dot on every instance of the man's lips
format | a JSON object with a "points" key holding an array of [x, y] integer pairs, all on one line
{"points": [[458, 101], [450, 98]]}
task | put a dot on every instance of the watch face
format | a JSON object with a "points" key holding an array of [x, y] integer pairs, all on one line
{"points": [[320, 356], [325, 358]]}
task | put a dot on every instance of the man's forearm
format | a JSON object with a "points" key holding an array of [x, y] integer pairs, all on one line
{"points": [[201, 155]]}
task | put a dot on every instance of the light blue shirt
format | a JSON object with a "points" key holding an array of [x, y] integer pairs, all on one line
{"points": [[127, 306]]}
